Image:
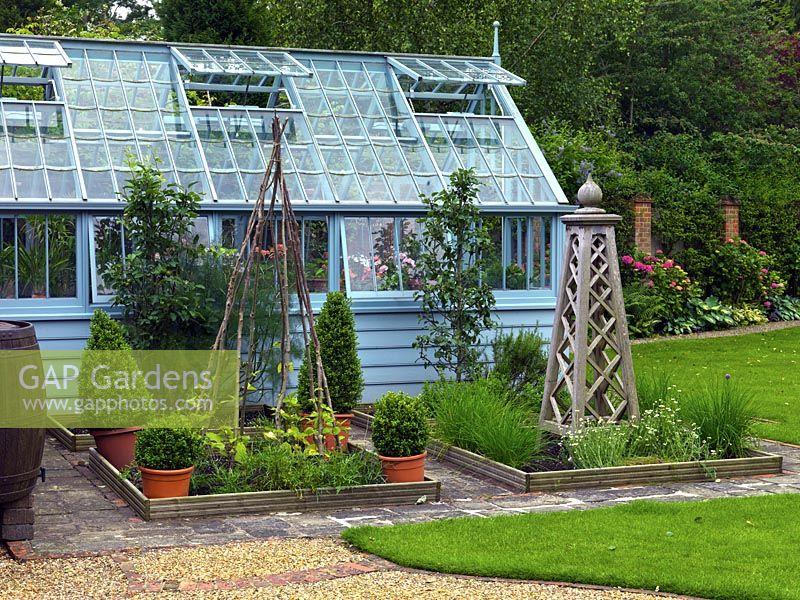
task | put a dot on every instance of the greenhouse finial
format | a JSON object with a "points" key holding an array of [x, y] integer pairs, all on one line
{"points": [[496, 49]]}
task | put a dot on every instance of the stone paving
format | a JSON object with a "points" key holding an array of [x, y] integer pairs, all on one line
{"points": [[77, 515]]}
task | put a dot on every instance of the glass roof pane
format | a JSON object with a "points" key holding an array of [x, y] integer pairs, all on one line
{"points": [[239, 62], [454, 70], [30, 184], [132, 66], [102, 65], [44, 53], [329, 76], [355, 76], [79, 69]]}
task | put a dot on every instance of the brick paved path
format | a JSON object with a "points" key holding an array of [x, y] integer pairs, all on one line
{"points": [[76, 514]]}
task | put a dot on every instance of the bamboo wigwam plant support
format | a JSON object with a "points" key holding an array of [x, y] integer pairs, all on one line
{"points": [[243, 289]]}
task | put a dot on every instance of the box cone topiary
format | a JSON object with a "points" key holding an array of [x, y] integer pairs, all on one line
{"points": [[336, 329], [107, 345]]}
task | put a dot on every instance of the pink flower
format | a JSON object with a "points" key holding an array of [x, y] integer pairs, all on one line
{"points": [[403, 255], [765, 271], [775, 285], [649, 283], [743, 242], [659, 252], [668, 264], [628, 260], [648, 268], [638, 266], [730, 240], [767, 304], [649, 258], [383, 269], [673, 283], [762, 253]]}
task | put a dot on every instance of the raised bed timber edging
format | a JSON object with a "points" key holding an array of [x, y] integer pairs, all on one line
{"points": [[74, 442], [382, 494], [80, 442], [758, 463]]}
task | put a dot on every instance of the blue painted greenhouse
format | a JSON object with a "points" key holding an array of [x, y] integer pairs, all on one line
{"points": [[367, 134]]}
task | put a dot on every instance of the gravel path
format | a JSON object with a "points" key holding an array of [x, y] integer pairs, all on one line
{"points": [[305, 568]]}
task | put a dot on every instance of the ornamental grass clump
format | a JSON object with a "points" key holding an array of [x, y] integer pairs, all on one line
{"points": [[480, 417], [400, 426], [724, 415]]}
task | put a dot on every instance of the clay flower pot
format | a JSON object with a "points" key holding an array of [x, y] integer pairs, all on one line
{"points": [[116, 445], [404, 469], [165, 484]]}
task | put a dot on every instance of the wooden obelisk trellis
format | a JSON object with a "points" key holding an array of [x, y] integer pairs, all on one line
{"points": [[589, 370]]}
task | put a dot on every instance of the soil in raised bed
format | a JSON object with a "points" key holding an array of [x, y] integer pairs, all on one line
{"points": [[552, 458]]}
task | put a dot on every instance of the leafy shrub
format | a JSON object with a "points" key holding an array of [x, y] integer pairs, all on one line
{"points": [[162, 307], [598, 445], [741, 273], [520, 361], [644, 310], [456, 304], [167, 448], [783, 308], [336, 330], [724, 416], [400, 427], [663, 432], [667, 281], [480, 417], [748, 315], [702, 315]]}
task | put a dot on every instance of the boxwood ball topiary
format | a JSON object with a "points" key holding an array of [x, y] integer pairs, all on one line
{"points": [[336, 330], [400, 427], [168, 449]]}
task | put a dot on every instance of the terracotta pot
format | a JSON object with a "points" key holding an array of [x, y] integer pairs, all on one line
{"points": [[165, 484], [116, 445], [404, 469], [343, 420]]}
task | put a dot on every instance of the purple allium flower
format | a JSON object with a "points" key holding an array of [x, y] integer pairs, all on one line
{"points": [[727, 375]]}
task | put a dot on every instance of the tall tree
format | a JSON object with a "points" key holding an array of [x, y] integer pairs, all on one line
{"points": [[216, 21], [14, 13], [698, 65]]}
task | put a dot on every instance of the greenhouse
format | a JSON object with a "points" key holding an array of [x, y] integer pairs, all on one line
{"points": [[367, 134]]}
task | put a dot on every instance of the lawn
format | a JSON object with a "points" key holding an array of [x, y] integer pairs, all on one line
{"points": [[728, 548], [766, 364]]}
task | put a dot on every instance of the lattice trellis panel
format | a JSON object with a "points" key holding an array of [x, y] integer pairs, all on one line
{"points": [[589, 371]]}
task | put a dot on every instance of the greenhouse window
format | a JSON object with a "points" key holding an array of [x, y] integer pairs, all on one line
{"points": [[37, 257], [380, 254], [107, 244]]}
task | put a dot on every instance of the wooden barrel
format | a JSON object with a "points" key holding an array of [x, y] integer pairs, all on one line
{"points": [[20, 449]]}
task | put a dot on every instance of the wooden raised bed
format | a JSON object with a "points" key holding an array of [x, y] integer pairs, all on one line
{"points": [[758, 463], [74, 442], [80, 442], [382, 494]]}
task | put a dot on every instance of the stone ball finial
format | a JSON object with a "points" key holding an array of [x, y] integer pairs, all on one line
{"points": [[590, 194], [496, 24]]}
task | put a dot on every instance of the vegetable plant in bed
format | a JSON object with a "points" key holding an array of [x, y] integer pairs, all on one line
{"points": [[166, 458], [400, 435]]}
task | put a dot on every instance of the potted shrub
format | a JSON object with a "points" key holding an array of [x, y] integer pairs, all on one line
{"points": [[165, 458], [336, 330], [400, 433], [105, 334]]}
